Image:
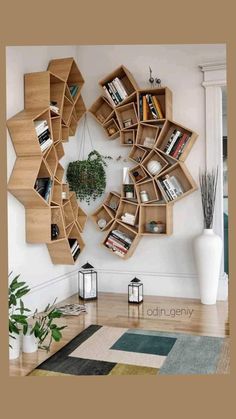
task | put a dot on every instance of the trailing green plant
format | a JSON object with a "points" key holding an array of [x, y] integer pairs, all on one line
{"points": [[17, 317], [87, 178], [44, 326]]}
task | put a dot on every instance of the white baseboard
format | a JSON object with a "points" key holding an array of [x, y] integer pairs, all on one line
{"points": [[160, 284]]}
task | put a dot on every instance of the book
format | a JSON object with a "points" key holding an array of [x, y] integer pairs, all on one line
{"points": [[122, 236], [170, 188], [73, 252], [176, 185], [54, 108], [115, 91], [181, 143], [112, 242], [73, 90], [40, 126], [151, 107], [113, 96], [76, 254], [145, 108], [73, 243], [116, 247], [48, 190], [122, 87], [46, 144], [162, 189], [158, 107], [44, 136], [171, 142], [119, 241], [141, 107], [109, 96]]}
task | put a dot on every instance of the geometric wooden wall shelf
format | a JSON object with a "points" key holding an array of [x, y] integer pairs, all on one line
{"points": [[53, 105], [158, 147]]}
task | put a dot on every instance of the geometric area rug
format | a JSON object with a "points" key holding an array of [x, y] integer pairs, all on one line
{"points": [[105, 350]]}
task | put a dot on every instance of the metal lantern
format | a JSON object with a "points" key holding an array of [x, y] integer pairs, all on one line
{"points": [[88, 283], [135, 291]]}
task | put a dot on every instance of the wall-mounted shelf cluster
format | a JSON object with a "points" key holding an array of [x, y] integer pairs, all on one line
{"points": [[158, 147], [53, 105]]}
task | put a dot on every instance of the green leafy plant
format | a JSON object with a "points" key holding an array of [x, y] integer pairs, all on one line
{"points": [[44, 326], [87, 178], [129, 188], [17, 317]]}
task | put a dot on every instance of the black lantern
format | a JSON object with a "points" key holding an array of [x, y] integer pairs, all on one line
{"points": [[135, 291], [88, 283]]}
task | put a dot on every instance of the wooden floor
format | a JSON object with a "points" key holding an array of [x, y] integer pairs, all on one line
{"points": [[155, 313]]}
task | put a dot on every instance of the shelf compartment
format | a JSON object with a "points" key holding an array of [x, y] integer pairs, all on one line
{"points": [[81, 219], [101, 110], [56, 128], [67, 111], [80, 108], [130, 208], [59, 150], [133, 235], [187, 140], [125, 192], [127, 113], [155, 156], [51, 160], [112, 201], [60, 250], [57, 218], [64, 133], [145, 132], [128, 137], [21, 184], [22, 131], [138, 174], [56, 192], [38, 225], [42, 88], [184, 178], [157, 213], [164, 98], [68, 213], [137, 154], [112, 124], [59, 172], [127, 80], [103, 213], [150, 187], [67, 70]]}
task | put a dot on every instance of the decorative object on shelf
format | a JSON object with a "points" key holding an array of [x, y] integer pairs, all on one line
{"points": [[129, 191], [160, 147], [88, 282], [208, 245], [101, 223], [111, 130], [54, 231], [154, 167], [155, 227], [135, 291], [127, 122], [144, 196]]}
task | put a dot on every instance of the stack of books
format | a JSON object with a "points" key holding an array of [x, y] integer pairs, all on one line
{"points": [[43, 186], [149, 107], [119, 242], [74, 247], [170, 187], [74, 90], [128, 218], [54, 107], [115, 91], [43, 134], [176, 144]]}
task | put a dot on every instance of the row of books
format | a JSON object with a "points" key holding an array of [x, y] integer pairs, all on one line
{"points": [[43, 134], [119, 242], [43, 186], [115, 91], [176, 143], [170, 187], [128, 218], [73, 90], [74, 247], [149, 107]]}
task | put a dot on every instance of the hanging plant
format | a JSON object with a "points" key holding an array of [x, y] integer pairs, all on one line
{"points": [[87, 178]]}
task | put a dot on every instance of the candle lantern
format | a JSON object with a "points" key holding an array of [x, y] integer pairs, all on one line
{"points": [[88, 282], [135, 291]]}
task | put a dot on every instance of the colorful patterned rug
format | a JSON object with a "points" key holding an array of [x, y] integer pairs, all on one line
{"points": [[104, 350]]}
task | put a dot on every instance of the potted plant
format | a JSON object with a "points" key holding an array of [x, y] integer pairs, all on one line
{"points": [[129, 191], [208, 245], [17, 314]]}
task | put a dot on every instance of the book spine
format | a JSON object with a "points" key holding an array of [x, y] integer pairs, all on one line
{"points": [[44, 136], [168, 195], [170, 189], [181, 143], [114, 91], [46, 144], [176, 185], [145, 108], [140, 107], [158, 107], [120, 239], [41, 129], [156, 110], [162, 189], [122, 87], [110, 90], [149, 101], [75, 250], [119, 90], [48, 190], [109, 96], [115, 244], [174, 137]]}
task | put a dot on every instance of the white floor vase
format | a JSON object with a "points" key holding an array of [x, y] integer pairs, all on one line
{"points": [[208, 252]]}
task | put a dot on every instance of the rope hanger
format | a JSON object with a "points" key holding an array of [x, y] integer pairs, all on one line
{"points": [[83, 138]]}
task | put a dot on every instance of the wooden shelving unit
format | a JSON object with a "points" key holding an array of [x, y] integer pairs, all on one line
{"points": [[142, 119], [53, 96]]}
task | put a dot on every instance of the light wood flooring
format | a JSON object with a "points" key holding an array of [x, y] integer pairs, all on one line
{"points": [[155, 313]]}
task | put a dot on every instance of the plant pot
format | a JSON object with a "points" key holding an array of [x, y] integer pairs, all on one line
{"points": [[208, 252], [15, 342], [29, 343]]}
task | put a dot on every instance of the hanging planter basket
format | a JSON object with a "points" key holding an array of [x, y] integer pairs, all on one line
{"points": [[87, 177]]}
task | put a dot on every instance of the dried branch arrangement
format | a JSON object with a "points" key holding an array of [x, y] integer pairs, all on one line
{"points": [[208, 184]]}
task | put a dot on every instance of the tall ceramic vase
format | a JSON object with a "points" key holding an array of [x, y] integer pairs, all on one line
{"points": [[208, 252], [15, 346]]}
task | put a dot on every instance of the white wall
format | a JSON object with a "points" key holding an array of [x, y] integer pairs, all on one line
{"points": [[165, 265]]}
